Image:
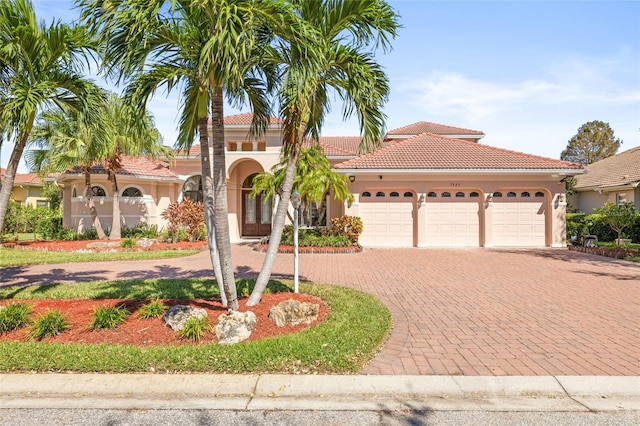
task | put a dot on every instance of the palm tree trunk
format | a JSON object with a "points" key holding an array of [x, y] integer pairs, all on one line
{"points": [[115, 233], [10, 177], [91, 205], [221, 210], [207, 192], [276, 230]]}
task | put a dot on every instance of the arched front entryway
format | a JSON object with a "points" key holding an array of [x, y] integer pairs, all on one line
{"points": [[256, 211]]}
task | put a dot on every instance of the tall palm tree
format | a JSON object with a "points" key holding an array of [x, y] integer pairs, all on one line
{"points": [[131, 132], [209, 48], [62, 140], [346, 30], [39, 67]]}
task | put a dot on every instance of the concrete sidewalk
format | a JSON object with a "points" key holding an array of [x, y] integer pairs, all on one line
{"points": [[335, 393]]}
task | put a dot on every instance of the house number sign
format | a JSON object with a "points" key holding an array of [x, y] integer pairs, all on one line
{"points": [[454, 184]]}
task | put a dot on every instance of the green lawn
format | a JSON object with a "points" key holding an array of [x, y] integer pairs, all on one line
{"points": [[357, 325], [19, 257]]}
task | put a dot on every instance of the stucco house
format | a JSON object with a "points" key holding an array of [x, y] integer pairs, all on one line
{"points": [[430, 185], [615, 179], [27, 189]]}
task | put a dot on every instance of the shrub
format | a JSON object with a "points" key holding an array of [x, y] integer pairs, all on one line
{"points": [[351, 226], [195, 328], [14, 316], [49, 225], [153, 309], [141, 230], [128, 243], [314, 237], [48, 325], [108, 317]]}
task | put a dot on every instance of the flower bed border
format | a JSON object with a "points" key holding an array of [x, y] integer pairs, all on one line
{"points": [[311, 250], [613, 252]]}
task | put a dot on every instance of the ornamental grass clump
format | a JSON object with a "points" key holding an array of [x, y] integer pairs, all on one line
{"points": [[14, 316], [105, 317], [153, 309], [49, 325], [195, 328]]}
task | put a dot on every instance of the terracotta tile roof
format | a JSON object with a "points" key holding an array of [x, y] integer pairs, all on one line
{"points": [[27, 179], [435, 128], [245, 119], [432, 152], [618, 170], [194, 151], [138, 167]]}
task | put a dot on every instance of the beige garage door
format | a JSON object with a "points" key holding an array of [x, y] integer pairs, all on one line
{"points": [[452, 219], [387, 218], [519, 219]]}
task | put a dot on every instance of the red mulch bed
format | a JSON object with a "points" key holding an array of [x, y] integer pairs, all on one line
{"points": [[151, 332], [146, 332], [101, 245]]}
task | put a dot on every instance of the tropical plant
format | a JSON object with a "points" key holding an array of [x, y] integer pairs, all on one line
{"points": [[14, 316], [39, 67], [63, 139], [152, 309], [314, 179], [333, 59], [209, 48], [195, 328], [48, 325], [104, 317]]}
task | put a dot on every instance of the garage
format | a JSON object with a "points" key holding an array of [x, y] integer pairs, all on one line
{"points": [[387, 217], [519, 218], [452, 219]]}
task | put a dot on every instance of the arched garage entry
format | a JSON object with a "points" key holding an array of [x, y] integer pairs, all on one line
{"points": [[387, 218], [452, 218]]}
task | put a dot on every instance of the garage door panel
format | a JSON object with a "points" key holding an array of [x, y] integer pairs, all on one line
{"points": [[452, 224], [387, 222], [519, 222]]}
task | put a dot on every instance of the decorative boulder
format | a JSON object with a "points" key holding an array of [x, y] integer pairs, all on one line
{"points": [[235, 327], [177, 316], [293, 312]]}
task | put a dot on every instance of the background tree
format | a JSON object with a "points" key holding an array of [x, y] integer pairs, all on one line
{"points": [[593, 142], [39, 67], [618, 216]]}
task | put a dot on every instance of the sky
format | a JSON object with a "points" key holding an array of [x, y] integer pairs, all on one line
{"points": [[526, 73]]}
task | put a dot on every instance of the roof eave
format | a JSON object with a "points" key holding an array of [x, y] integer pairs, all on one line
{"points": [[558, 172]]}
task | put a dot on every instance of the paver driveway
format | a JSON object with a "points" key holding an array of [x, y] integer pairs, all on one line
{"points": [[470, 312]]}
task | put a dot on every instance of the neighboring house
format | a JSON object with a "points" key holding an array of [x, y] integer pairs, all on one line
{"points": [[429, 185], [615, 179], [27, 189]]}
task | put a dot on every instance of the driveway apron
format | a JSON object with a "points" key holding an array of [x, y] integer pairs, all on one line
{"points": [[455, 311]]}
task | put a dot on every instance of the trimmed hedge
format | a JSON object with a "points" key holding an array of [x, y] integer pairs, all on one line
{"points": [[594, 224]]}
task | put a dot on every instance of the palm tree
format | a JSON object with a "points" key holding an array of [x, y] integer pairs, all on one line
{"points": [[346, 28], [39, 67], [313, 180], [62, 140], [129, 132], [209, 48]]}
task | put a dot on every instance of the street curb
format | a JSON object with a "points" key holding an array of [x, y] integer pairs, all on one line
{"points": [[316, 392]]}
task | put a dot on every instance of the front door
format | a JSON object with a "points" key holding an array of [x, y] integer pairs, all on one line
{"points": [[256, 215]]}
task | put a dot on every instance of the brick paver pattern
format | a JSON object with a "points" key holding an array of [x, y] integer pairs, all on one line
{"points": [[455, 312]]}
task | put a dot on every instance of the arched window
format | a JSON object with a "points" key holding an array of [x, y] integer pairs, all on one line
{"points": [[192, 188], [380, 194], [497, 194], [366, 194], [408, 194], [98, 191], [539, 194], [511, 194], [474, 194], [525, 194], [431, 194], [132, 192], [394, 194], [460, 194], [74, 193], [446, 194]]}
